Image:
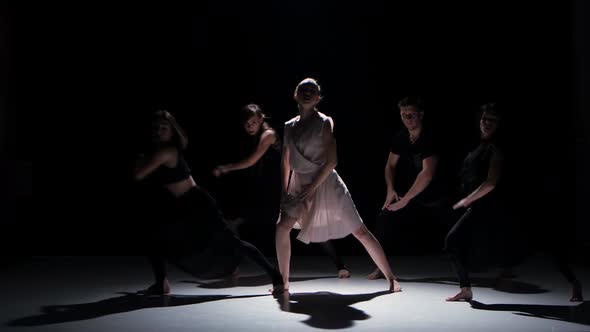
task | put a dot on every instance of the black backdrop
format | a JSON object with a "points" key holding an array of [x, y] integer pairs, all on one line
{"points": [[82, 80]]}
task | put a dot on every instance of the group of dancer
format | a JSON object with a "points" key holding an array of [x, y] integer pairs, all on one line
{"points": [[315, 199]]}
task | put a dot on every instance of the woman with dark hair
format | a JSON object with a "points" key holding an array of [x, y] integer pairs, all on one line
{"points": [[267, 142], [202, 221], [485, 234], [314, 197], [264, 163], [480, 174]]}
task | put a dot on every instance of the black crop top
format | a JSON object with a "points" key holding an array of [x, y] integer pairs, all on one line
{"points": [[166, 175]]}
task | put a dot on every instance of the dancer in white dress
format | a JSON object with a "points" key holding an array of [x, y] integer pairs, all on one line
{"points": [[314, 197]]}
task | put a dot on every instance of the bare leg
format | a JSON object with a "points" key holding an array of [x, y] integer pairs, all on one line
{"points": [[283, 245], [385, 221], [378, 255], [464, 295], [343, 273]]}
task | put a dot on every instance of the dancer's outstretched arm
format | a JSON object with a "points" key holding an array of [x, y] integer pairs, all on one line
{"points": [[267, 139], [488, 185], [149, 165], [422, 181], [392, 195]]}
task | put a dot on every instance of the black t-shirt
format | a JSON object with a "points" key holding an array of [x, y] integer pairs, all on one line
{"points": [[476, 167], [409, 164]]}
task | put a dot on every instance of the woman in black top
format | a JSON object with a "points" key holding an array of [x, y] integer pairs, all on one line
{"points": [[261, 164], [264, 165], [479, 177], [166, 167], [483, 235]]}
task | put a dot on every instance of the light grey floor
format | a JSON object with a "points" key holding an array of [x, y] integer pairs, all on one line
{"points": [[96, 294]]}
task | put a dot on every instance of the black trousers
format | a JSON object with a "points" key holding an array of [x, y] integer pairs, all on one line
{"points": [[458, 243], [485, 235], [197, 225]]}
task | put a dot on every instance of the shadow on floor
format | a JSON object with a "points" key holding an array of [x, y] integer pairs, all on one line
{"points": [[326, 310], [579, 314], [55, 314], [501, 285]]}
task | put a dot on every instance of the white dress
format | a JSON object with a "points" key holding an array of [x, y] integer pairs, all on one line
{"points": [[330, 213]]}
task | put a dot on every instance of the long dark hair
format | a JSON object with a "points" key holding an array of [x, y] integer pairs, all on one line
{"points": [[179, 139], [492, 109], [251, 110]]}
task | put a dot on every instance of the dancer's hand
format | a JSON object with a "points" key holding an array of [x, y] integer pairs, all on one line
{"points": [[400, 204], [306, 192], [219, 170], [391, 196], [285, 198], [462, 204]]}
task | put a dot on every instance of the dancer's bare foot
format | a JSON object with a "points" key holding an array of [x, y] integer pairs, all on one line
{"points": [[377, 274], [464, 295], [394, 286], [577, 292], [343, 273], [161, 289]]}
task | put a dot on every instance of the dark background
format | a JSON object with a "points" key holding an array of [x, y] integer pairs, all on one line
{"points": [[80, 81]]}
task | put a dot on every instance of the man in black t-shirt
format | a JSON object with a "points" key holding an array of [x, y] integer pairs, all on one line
{"points": [[412, 190]]}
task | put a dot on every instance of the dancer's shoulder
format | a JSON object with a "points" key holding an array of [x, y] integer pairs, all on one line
{"points": [[292, 121], [326, 119]]}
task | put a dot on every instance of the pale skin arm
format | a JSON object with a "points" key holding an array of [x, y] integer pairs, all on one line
{"points": [[331, 160], [422, 181], [267, 139], [488, 185], [148, 166], [389, 174]]}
